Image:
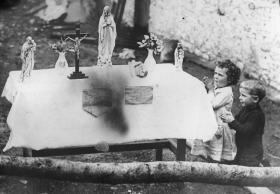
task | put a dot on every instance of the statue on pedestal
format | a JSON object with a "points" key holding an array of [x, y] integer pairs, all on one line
{"points": [[179, 57], [107, 36], [27, 57]]}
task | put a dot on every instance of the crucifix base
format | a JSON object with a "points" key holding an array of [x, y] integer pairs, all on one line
{"points": [[77, 75]]}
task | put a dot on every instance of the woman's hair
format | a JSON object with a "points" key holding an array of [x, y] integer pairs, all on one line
{"points": [[254, 87], [233, 72]]}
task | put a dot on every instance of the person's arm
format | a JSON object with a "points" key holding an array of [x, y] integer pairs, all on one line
{"points": [[221, 99], [208, 83], [33, 45], [68, 38], [83, 38], [254, 122]]}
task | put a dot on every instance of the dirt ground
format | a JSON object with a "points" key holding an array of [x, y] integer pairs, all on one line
{"points": [[15, 25]]}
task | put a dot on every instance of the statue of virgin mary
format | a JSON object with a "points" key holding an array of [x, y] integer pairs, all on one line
{"points": [[107, 36], [27, 58]]}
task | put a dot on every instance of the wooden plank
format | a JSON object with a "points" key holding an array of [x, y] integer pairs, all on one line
{"points": [[133, 146], [181, 150], [135, 95], [172, 145], [26, 152], [259, 190], [37, 8], [63, 27], [159, 154]]}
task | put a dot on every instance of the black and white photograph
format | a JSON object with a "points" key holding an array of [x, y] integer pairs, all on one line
{"points": [[139, 96]]}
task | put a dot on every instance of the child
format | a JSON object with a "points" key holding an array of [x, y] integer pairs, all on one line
{"points": [[222, 145], [248, 124]]}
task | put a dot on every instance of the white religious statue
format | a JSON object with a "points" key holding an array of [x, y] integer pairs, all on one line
{"points": [[179, 57], [107, 36], [60, 48], [27, 57]]}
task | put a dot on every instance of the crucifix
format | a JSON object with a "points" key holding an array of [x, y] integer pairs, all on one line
{"points": [[77, 38]]}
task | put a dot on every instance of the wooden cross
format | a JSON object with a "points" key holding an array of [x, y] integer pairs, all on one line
{"points": [[77, 38]]}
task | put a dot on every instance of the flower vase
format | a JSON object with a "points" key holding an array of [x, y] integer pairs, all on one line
{"points": [[61, 63], [150, 62]]}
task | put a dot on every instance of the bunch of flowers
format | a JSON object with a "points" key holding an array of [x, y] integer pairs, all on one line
{"points": [[151, 42], [60, 46]]}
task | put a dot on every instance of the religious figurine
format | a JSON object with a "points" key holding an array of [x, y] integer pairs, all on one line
{"points": [[27, 57], [77, 43], [107, 36], [60, 48], [76, 38], [179, 57]]}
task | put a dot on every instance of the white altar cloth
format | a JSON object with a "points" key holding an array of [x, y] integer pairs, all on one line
{"points": [[47, 109]]}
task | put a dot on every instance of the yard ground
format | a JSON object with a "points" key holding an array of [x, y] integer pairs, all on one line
{"points": [[15, 25]]}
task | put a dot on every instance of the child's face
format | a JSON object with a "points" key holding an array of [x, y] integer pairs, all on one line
{"points": [[246, 98], [220, 77]]}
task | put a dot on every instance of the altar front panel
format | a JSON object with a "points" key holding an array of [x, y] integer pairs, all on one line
{"points": [[47, 109]]}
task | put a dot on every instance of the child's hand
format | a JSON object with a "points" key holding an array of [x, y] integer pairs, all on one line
{"points": [[219, 132], [205, 80], [227, 117], [208, 83]]}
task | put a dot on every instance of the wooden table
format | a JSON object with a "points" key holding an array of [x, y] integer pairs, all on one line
{"points": [[47, 114], [177, 146]]}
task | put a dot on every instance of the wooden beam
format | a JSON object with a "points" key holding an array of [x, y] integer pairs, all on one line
{"points": [[132, 146], [159, 154], [178, 146], [141, 16], [181, 150], [173, 145], [259, 190], [139, 172]]}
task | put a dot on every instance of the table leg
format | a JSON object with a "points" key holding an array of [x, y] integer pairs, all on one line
{"points": [[159, 154], [181, 150], [26, 152]]}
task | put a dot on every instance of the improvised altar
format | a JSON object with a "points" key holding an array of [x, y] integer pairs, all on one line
{"points": [[50, 111]]}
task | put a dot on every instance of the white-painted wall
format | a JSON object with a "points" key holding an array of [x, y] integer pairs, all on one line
{"points": [[248, 33]]}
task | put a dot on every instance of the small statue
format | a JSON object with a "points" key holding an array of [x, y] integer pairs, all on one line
{"points": [[107, 36], [27, 57], [60, 48], [179, 57]]}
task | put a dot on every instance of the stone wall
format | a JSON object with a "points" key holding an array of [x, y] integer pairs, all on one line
{"points": [[245, 31]]}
